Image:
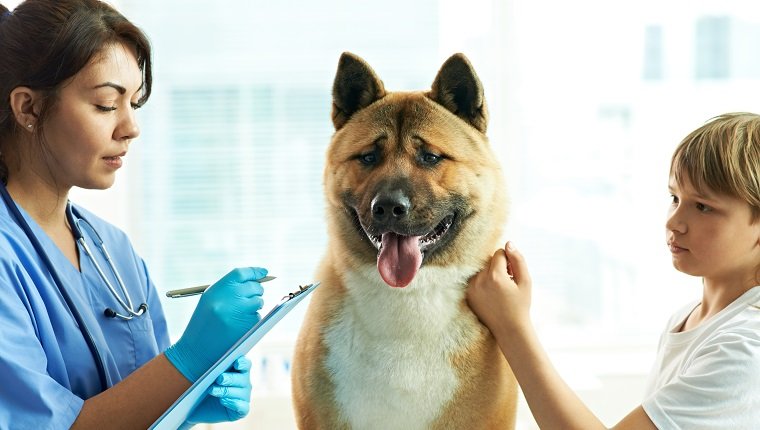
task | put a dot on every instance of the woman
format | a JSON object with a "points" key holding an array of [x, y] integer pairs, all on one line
{"points": [[82, 336]]}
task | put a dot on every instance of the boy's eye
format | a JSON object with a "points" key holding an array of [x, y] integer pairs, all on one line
{"points": [[703, 207], [673, 199], [105, 108]]}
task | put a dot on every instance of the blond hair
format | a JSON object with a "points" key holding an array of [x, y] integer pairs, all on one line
{"points": [[723, 156]]}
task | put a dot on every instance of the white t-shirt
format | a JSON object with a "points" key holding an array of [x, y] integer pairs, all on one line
{"points": [[709, 377]]}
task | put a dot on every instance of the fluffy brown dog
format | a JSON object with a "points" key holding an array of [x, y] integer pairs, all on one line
{"points": [[416, 205]]}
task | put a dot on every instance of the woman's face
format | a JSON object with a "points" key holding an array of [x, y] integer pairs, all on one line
{"points": [[89, 129]]}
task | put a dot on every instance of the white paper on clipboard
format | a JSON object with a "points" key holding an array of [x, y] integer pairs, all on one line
{"points": [[176, 415]]}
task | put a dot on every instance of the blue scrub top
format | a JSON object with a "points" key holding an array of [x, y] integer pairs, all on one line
{"points": [[46, 368]]}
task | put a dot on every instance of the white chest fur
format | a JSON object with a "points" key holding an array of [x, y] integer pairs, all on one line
{"points": [[389, 350]]}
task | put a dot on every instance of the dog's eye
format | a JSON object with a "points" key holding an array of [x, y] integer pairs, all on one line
{"points": [[368, 159], [430, 159]]}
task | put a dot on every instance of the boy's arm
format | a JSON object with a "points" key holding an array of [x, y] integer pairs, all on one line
{"points": [[500, 296]]}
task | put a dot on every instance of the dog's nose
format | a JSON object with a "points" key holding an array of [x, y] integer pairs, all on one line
{"points": [[390, 206]]}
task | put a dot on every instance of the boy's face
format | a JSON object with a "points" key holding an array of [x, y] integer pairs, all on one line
{"points": [[711, 235]]}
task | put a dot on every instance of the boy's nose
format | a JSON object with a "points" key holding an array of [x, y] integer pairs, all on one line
{"points": [[675, 222]]}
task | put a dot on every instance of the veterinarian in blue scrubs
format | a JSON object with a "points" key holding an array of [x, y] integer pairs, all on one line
{"points": [[83, 339]]}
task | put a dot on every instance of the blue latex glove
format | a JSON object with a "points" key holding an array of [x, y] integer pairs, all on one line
{"points": [[224, 313], [228, 399]]}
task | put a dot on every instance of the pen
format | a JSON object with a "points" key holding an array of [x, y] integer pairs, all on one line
{"points": [[185, 292]]}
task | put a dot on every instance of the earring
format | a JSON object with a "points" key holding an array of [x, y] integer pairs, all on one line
{"points": [[29, 126]]}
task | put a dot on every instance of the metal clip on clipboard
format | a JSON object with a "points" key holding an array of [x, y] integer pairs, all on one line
{"points": [[301, 290], [177, 414]]}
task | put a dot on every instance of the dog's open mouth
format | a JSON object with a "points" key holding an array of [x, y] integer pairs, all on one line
{"points": [[400, 256]]}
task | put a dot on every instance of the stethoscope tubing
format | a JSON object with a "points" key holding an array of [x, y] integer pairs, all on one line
{"points": [[105, 380], [76, 220]]}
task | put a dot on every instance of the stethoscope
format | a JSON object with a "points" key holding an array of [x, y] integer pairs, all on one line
{"points": [[76, 221]]}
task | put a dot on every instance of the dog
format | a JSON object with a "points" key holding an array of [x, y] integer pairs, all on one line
{"points": [[416, 203]]}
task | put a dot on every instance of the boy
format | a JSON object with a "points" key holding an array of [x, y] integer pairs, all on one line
{"points": [[707, 371]]}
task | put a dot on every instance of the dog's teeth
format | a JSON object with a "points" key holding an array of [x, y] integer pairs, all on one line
{"points": [[435, 235], [376, 240]]}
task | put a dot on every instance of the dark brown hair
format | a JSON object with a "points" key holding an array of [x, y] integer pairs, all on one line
{"points": [[43, 43]]}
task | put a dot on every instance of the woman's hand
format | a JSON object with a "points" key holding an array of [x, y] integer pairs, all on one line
{"points": [[228, 399], [500, 294], [227, 310]]}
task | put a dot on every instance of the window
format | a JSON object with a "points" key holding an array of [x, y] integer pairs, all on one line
{"points": [[653, 58], [713, 47]]}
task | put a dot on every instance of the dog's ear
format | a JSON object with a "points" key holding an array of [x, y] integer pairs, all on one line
{"points": [[458, 89], [356, 86]]}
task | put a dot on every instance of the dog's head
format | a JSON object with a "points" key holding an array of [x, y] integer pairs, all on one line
{"points": [[410, 177]]}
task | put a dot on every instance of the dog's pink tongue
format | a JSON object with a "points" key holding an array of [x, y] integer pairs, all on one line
{"points": [[399, 259]]}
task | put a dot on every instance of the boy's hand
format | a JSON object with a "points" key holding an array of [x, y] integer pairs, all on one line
{"points": [[500, 294]]}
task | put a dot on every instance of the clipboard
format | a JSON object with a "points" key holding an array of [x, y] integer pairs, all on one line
{"points": [[178, 412]]}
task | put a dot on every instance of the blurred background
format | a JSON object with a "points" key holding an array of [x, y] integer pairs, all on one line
{"points": [[588, 99]]}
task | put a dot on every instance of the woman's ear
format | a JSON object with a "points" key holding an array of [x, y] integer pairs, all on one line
{"points": [[24, 102]]}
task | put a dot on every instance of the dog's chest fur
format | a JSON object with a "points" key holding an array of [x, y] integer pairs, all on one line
{"points": [[390, 351]]}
